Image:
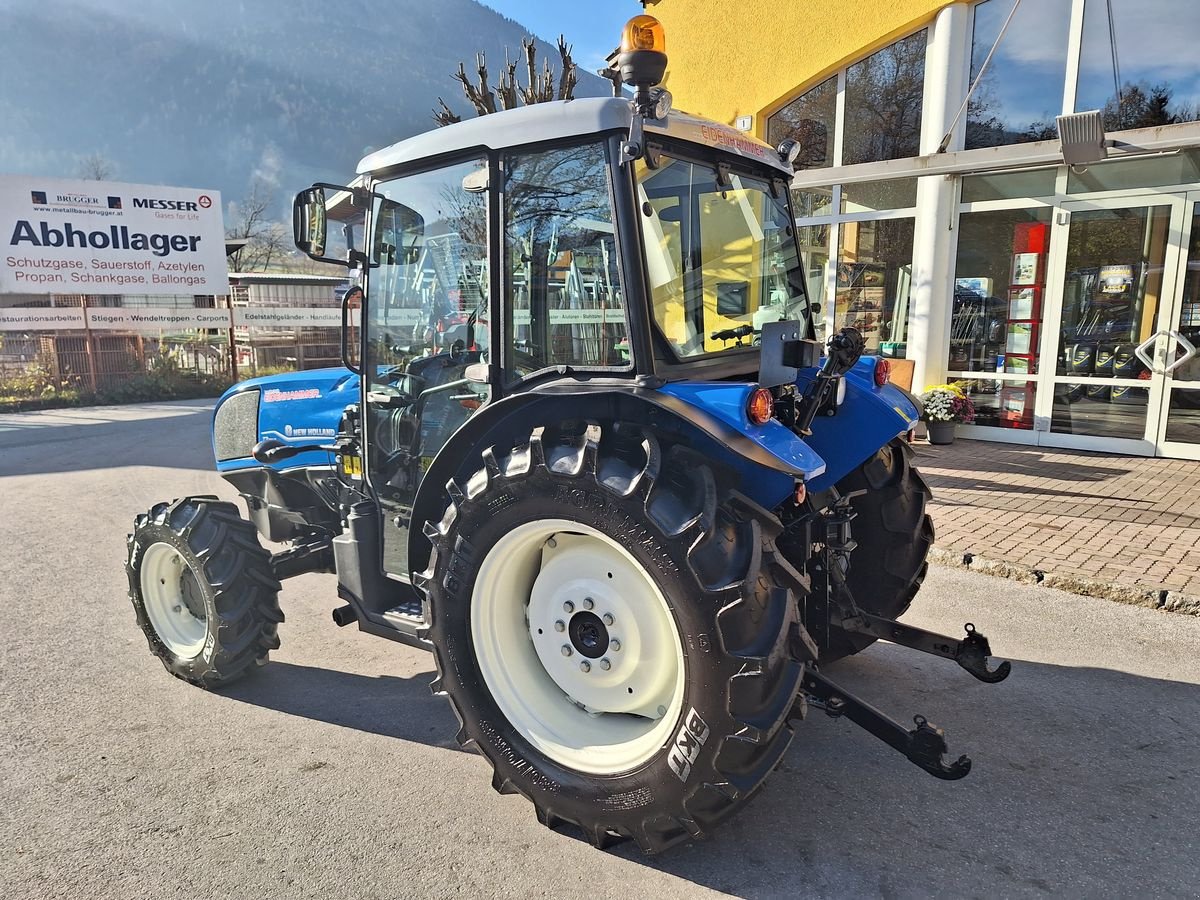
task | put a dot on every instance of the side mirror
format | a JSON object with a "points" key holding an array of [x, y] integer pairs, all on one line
{"points": [[314, 207], [309, 222]]}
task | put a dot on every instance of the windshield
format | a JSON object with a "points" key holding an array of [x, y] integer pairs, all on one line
{"points": [[721, 259]]}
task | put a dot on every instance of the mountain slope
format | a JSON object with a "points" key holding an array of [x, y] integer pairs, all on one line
{"points": [[212, 94]]}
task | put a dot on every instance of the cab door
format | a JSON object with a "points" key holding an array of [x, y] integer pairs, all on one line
{"points": [[426, 319]]}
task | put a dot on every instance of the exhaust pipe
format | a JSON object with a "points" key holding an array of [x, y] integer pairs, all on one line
{"points": [[344, 615]]}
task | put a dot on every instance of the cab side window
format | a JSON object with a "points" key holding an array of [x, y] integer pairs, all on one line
{"points": [[560, 262]]}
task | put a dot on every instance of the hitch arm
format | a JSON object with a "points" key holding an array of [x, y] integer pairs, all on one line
{"points": [[924, 745], [971, 652]]}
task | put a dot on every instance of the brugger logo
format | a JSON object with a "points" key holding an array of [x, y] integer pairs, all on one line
{"points": [[39, 197], [692, 735]]}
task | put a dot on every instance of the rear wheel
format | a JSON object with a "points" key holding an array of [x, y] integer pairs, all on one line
{"points": [[612, 632], [893, 533], [203, 590]]}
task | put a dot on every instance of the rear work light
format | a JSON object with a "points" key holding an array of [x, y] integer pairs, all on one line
{"points": [[760, 406], [883, 372]]}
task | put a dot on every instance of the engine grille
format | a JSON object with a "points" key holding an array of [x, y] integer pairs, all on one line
{"points": [[235, 428]]}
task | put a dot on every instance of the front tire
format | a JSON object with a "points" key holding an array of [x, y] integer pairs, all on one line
{"points": [[584, 540], [203, 590]]}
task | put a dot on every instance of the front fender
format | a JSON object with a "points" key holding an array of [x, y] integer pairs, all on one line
{"points": [[869, 417]]}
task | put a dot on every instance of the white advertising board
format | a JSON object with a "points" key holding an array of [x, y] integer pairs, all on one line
{"points": [[65, 236], [155, 319], [168, 319], [40, 318], [287, 317]]}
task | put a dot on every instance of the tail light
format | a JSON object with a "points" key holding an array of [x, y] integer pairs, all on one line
{"points": [[883, 372], [760, 406]]}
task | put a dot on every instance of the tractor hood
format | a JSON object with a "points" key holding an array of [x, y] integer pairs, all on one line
{"points": [[293, 407]]}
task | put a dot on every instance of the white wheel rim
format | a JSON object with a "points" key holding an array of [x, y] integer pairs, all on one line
{"points": [[163, 572], [611, 703]]}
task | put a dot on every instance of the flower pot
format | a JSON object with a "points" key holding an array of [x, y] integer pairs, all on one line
{"points": [[941, 432]]}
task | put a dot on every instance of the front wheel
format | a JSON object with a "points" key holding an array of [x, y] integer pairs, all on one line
{"points": [[203, 590], [612, 632]]}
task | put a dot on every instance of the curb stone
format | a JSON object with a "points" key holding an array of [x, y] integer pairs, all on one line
{"points": [[1168, 601]]}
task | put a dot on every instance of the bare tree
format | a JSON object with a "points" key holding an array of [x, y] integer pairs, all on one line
{"points": [[541, 87], [266, 240], [96, 167]]}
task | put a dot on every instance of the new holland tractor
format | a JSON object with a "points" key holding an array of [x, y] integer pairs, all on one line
{"points": [[585, 450]]}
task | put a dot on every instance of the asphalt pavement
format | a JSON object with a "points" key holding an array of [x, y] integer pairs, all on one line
{"points": [[333, 772]]}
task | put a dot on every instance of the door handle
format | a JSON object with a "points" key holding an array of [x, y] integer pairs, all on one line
{"points": [[1189, 351], [1140, 352]]}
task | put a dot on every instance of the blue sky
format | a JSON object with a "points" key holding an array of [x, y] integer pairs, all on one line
{"points": [[593, 28]]}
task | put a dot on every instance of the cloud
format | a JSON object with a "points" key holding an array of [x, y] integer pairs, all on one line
{"points": [[270, 164]]}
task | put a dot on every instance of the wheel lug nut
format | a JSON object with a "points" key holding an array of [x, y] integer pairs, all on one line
{"points": [[662, 710], [585, 666], [607, 619], [560, 625], [568, 607], [614, 645], [587, 603], [566, 650], [605, 664], [176, 609]]}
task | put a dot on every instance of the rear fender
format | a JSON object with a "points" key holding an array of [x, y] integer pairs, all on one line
{"points": [[765, 465], [869, 417]]}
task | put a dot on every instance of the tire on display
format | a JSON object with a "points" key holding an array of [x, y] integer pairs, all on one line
{"points": [[203, 590], [893, 533], [613, 633]]}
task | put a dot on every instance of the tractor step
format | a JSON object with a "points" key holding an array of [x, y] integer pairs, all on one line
{"points": [[925, 745], [406, 613]]}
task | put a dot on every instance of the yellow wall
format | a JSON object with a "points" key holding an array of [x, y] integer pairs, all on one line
{"points": [[731, 58]]}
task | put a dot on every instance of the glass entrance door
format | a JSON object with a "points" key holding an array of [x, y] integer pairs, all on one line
{"points": [[1177, 359], [1111, 321]]}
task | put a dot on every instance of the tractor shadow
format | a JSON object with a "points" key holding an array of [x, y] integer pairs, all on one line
{"points": [[386, 705], [1081, 775]]}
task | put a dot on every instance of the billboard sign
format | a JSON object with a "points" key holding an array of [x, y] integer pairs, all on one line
{"points": [[65, 236]]}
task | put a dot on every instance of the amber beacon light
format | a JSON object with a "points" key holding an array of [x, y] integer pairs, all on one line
{"points": [[643, 33], [642, 59]]}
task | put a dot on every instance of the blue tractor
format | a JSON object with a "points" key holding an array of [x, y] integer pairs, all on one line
{"points": [[587, 451]]}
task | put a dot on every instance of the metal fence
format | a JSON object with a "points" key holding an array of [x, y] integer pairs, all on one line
{"points": [[108, 340]]}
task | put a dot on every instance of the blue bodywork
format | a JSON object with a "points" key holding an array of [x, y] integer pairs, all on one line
{"points": [[305, 407], [296, 408]]}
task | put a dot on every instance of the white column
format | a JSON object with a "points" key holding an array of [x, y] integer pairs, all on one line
{"points": [[947, 72]]}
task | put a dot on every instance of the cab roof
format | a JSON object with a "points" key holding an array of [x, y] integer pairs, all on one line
{"points": [[560, 119]]}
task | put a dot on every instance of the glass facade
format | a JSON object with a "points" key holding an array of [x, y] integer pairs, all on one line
{"points": [[1138, 62], [1021, 90], [811, 120], [883, 103], [1065, 280], [874, 281]]}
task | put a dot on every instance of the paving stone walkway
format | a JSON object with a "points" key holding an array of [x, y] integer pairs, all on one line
{"points": [[1119, 520]]}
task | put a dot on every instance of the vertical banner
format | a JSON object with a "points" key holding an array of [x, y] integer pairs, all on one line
{"points": [[100, 237]]}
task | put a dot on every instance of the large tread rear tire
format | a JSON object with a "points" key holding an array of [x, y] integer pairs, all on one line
{"points": [[894, 534], [223, 571], [731, 595]]}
